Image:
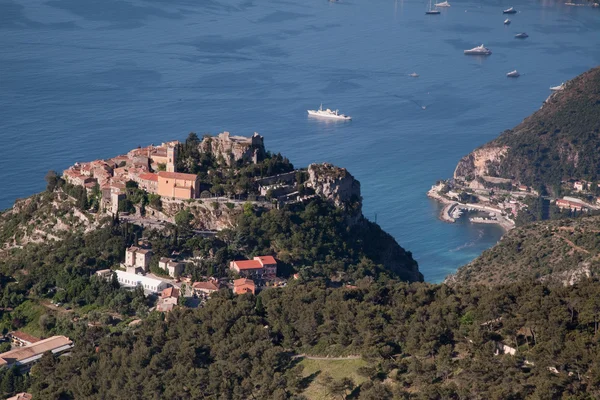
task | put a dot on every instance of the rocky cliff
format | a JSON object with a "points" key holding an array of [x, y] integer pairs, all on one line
{"points": [[337, 186], [234, 148], [558, 142]]}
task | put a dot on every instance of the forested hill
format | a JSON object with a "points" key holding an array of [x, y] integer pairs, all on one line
{"points": [[558, 142], [563, 251]]}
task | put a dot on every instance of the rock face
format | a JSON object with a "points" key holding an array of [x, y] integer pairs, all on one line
{"points": [[558, 142], [481, 162], [336, 185], [234, 148], [207, 215]]}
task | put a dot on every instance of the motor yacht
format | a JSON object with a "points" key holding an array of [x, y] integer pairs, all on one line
{"points": [[327, 113], [478, 51], [521, 35], [510, 10], [513, 74]]}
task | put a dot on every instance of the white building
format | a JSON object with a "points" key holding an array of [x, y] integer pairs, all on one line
{"points": [[152, 285]]}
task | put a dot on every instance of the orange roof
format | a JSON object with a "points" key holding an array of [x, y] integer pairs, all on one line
{"points": [[177, 175], [266, 260], [148, 176], [35, 349], [21, 396], [26, 337], [248, 264], [205, 286], [170, 292], [243, 285]]}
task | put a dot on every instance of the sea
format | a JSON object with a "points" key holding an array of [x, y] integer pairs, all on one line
{"points": [[83, 79]]}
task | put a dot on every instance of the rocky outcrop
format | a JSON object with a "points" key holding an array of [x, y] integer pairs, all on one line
{"points": [[234, 148], [207, 214], [481, 162], [337, 186]]}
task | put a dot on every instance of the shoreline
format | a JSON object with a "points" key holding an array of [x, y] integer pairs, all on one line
{"points": [[449, 205]]}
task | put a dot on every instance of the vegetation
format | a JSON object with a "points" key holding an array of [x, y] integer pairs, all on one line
{"points": [[558, 250], [418, 341]]}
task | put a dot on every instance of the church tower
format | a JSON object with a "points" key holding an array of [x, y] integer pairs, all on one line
{"points": [[171, 158]]}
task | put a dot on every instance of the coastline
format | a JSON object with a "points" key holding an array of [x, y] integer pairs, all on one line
{"points": [[450, 205]]}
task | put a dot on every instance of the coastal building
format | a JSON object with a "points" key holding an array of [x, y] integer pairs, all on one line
{"points": [[22, 339], [173, 267], [24, 357], [178, 185], [260, 267], [151, 285], [243, 285], [235, 148]]}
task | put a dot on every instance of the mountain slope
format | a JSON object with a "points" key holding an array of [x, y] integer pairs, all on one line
{"points": [[562, 251], [560, 141]]}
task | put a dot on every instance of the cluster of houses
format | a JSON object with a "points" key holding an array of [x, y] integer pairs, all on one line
{"points": [[134, 273]]}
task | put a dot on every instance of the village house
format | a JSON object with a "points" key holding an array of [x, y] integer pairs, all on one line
{"points": [[178, 185], [137, 258], [74, 177], [243, 285], [205, 288], [523, 188], [104, 273], [168, 299], [24, 357], [22, 339], [579, 186], [148, 181], [260, 267], [151, 285], [570, 205], [173, 267]]}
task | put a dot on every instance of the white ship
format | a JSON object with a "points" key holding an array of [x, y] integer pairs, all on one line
{"points": [[479, 51], [328, 114], [510, 10], [558, 88], [507, 21], [513, 74], [442, 4]]}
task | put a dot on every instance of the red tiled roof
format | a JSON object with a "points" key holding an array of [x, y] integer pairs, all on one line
{"points": [[170, 292], [266, 260], [177, 175], [243, 285], [204, 285], [248, 264], [148, 176], [26, 337]]}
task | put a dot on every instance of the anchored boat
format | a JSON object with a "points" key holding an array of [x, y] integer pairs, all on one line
{"points": [[327, 113]]}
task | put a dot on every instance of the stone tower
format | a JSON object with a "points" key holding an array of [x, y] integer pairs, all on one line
{"points": [[171, 158]]}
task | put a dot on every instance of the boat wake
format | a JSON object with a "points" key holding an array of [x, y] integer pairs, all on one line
{"points": [[470, 243]]}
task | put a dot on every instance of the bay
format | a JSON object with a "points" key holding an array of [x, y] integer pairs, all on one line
{"points": [[81, 80]]}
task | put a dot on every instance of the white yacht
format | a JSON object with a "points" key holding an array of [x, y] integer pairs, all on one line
{"points": [[328, 113], [507, 21], [479, 51], [510, 10], [442, 4], [558, 88], [414, 75], [513, 74]]}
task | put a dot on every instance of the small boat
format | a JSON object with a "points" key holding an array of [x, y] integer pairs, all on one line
{"points": [[328, 114], [442, 4], [595, 4], [510, 10], [558, 88], [513, 74], [507, 21], [414, 75], [521, 35], [478, 51], [431, 10]]}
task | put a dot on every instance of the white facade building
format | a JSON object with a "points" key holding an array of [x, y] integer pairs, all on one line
{"points": [[128, 279]]}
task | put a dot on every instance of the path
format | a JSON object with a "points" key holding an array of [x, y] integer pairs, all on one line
{"points": [[573, 245], [326, 358]]}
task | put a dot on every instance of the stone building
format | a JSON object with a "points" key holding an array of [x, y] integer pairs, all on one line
{"points": [[235, 148], [178, 185]]}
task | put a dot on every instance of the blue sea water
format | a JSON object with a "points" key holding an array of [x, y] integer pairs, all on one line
{"points": [[82, 79]]}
